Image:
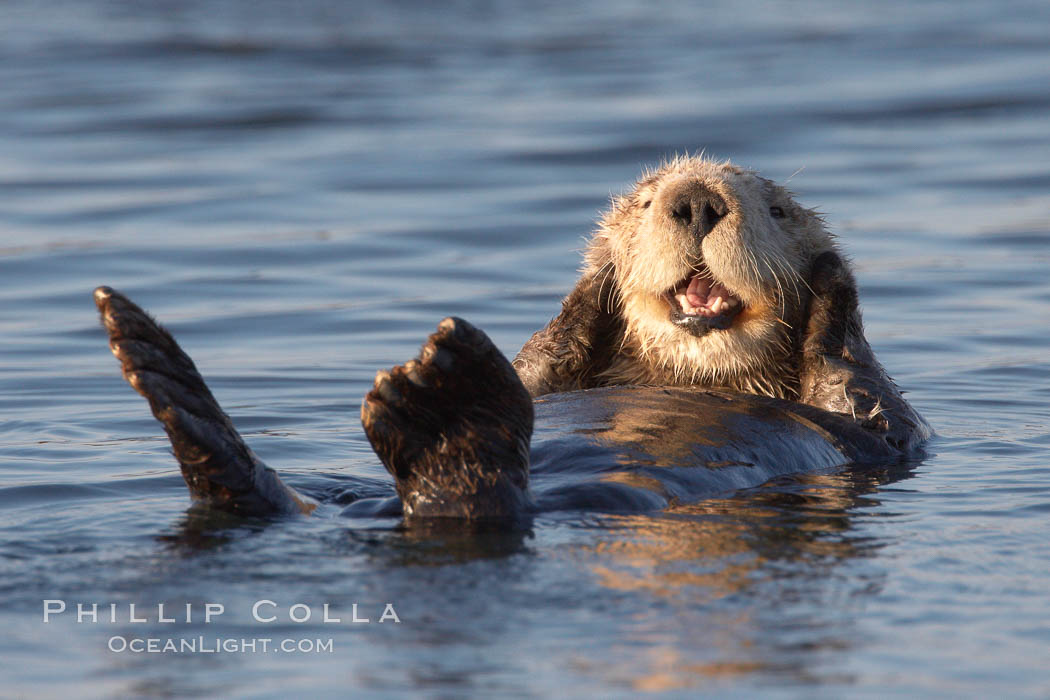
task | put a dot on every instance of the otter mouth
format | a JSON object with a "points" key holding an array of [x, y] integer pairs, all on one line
{"points": [[699, 304]]}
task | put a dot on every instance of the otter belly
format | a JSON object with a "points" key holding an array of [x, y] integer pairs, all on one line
{"points": [[629, 448], [453, 428]]}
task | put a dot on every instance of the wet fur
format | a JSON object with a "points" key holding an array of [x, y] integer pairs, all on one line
{"points": [[800, 336], [638, 252], [219, 468], [453, 426]]}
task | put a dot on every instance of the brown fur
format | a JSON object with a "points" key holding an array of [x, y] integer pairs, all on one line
{"points": [[453, 426], [790, 341], [639, 252]]}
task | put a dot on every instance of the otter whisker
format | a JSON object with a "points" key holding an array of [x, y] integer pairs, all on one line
{"points": [[752, 263], [780, 288], [797, 277], [608, 267], [793, 276], [849, 402]]}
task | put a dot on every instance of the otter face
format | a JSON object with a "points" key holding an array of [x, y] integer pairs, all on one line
{"points": [[709, 261]]}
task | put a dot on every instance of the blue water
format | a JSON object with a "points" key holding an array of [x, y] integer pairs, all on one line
{"points": [[300, 191]]}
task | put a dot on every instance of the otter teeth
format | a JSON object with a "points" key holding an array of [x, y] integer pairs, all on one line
{"points": [[702, 297]]}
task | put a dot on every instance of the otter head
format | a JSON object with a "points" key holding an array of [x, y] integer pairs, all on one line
{"points": [[709, 262]]}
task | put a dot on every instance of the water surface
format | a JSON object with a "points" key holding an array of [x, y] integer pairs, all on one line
{"points": [[300, 192]]}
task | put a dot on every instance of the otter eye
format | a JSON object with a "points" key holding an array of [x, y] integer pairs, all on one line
{"points": [[777, 212]]}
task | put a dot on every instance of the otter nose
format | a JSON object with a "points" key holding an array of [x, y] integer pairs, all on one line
{"points": [[700, 209]]}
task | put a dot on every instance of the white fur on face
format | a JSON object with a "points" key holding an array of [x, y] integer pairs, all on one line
{"points": [[760, 258]]}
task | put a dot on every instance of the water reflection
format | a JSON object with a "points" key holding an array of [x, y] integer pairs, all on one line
{"points": [[730, 567], [202, 529], [441, 542], [304, 191], [804, 517]]}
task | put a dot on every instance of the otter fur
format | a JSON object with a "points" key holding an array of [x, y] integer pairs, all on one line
{"points": [[707, 274], [705, 279]]}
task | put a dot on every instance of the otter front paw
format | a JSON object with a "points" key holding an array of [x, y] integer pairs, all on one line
{"points": [[839, 370], [453, 427], [833, 312], [579, 343]]}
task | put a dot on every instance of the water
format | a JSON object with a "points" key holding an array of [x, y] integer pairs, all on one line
{"points": [[301, 191]]}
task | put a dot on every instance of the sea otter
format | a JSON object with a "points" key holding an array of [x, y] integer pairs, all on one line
{"points": [[715, 324]]}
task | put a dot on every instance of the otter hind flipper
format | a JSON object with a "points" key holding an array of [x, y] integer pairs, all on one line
{"points": [[219, 468], [453, 428]]}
